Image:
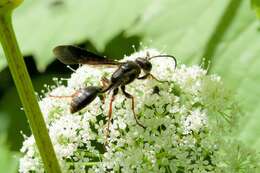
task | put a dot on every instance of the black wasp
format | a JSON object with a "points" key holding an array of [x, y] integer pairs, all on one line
{"points": [[125, 73]]}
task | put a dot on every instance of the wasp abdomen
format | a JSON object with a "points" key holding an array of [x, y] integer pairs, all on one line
{"points": [[84, 97]]}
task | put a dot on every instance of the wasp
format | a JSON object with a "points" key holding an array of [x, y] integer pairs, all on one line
{"points": [[125, 74]]}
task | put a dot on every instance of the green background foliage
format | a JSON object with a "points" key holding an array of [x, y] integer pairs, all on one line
{"points": [[8, 159], [256, 6], [226, 32]]}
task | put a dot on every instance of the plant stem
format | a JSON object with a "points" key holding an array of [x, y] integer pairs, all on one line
{"points": [[26, 93]]}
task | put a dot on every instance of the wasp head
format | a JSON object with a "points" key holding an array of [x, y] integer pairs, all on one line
{"points": [[144, 63]]}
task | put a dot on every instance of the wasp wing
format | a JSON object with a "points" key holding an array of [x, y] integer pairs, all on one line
{"points": [[69, 54]]}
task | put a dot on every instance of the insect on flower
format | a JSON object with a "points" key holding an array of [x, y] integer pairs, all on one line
{"points": [[125, 73]]}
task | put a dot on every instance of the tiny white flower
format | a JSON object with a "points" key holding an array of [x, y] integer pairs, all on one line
{"points": [[175, 137], [194, 121]]}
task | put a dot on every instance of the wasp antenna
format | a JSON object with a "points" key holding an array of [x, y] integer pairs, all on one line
{"points": [[169, 56]]}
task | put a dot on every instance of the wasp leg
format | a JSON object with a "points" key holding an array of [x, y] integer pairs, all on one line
{"points": [[105, 83], [161, 81], [115, 91], [133, 104], [153, 77]]}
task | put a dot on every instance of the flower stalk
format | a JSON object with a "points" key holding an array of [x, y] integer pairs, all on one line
{"points": [[24, 86]]}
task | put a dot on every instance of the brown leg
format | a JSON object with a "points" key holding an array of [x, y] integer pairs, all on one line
{"points": [[115, 91], [105, 83], [152, 76], [161, 81], [133, 105]]}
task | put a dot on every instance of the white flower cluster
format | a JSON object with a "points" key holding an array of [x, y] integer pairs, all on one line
{"points": [[176, 114]]}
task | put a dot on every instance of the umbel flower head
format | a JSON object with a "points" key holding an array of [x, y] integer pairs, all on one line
{"points": [[189, 123]]}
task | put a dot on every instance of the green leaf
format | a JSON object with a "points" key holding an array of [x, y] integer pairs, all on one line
{"points": [[238, 62], [42, 25], [3, 62], [8, 160], [224, 32], [256, 7], [181, 28]]}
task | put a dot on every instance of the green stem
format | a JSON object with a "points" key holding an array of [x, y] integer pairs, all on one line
{"points": [[26, 93]]}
